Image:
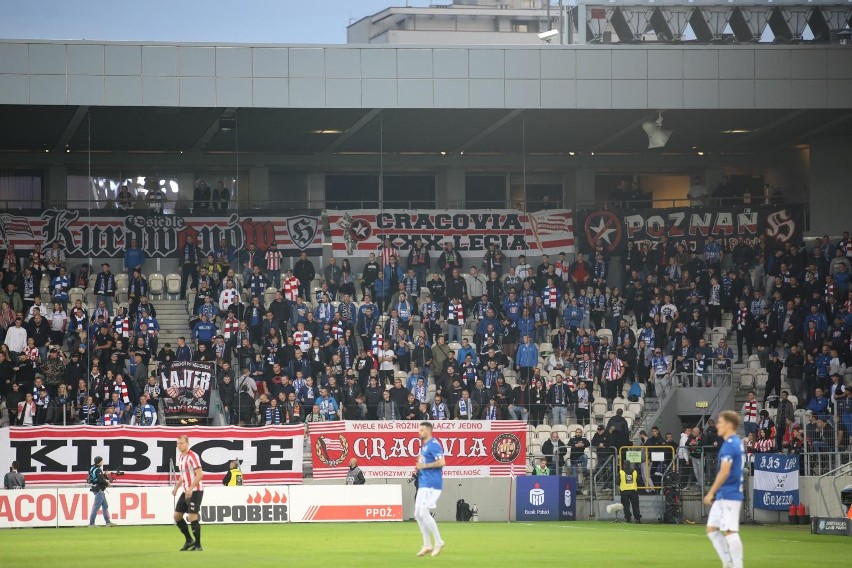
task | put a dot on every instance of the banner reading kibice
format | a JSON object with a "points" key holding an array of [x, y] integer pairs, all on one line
{"points": [[62, 455], [480, 448], [186, 388], [362, 231]]}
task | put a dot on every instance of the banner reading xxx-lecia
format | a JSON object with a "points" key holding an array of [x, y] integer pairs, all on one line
{"points": [[62, 455], [362, 231], [390, 449]]}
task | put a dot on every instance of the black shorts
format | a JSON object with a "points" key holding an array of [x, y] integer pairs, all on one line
{"points": [[192, 506]]}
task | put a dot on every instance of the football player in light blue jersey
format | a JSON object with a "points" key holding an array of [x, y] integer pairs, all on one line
{"points": [[723, 522], [430, 471]]}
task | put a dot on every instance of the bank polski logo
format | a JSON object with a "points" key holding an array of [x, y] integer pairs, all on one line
{"points": [[536, 495]]}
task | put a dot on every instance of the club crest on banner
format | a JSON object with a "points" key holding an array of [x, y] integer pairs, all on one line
{"points": [[302, 230]]}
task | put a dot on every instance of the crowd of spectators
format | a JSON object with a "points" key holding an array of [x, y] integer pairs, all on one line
{"points": [[411, 336]]}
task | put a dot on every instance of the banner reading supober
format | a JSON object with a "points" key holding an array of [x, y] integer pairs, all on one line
{"points": [[362, 231], [390, 449], [54, 455], [187, 386]]}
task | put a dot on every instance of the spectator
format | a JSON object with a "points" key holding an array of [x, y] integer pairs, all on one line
{"points": [[554, 450], [14, 479]]}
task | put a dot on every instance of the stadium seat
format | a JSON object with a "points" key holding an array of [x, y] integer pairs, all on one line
{"points": [[622, 404], [156, 285], [545, 428], [545, 349], [635, 408], [269, 296], [599, 409], [562, 430], [760, 379], [794, 399], [753, 362], [746, 381], [75, 294], [601, 333], [173, 284], [572, 428]]}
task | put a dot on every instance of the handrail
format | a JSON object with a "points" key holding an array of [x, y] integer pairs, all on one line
{"points": [[834, 474], [713, 408]]}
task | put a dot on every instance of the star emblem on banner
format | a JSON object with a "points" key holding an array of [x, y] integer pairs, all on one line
{"points": [[360, 230], [603, 226]]}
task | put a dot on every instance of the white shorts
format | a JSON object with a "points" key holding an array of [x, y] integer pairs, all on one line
{"points": [[427, 497], [725, 514]]}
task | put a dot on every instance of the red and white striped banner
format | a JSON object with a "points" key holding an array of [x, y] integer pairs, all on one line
{"points": [[362, 231], [102, 234], [57, 455], [480, 448]]}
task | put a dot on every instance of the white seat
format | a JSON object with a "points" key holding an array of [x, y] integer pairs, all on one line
{"points": [[760, 378], [172, 284], [746, 380], [562, 430], [794, 399], [542, 428], [75, 294], [601, 333], [572, 428], [545, 349], [599, 409], [269, 296], [156, 284], [619, 404], [635, 408], [753, 362]]}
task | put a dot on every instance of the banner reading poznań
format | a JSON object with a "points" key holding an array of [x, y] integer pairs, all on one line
{"points": [[362, 231], [62, 455], [391, 448], [186, 387], [689, 226], [103, 234]]}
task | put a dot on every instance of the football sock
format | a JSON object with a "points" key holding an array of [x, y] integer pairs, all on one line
{"points": [[721, 546], [424, 530], [432, 527], [181, 524], [735, 546], [196, 532]]}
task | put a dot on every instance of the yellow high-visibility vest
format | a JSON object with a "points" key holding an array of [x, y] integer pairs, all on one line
{"points": [[628, 481], [236, 478]]}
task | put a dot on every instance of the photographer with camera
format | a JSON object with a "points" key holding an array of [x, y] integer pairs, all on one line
{"points": [[99, 482]]}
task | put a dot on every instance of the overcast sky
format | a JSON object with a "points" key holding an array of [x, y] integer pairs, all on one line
{"points": [[216, 21]]}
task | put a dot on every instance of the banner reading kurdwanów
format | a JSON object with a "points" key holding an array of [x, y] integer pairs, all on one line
{"points": [[62, 455], [362, 231], [390, 448]]}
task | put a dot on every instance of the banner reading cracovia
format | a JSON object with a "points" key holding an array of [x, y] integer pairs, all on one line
{"points": [[690, 226], [480, 448], [103, 234], [362, 231], [186, 388], [62, 455]]}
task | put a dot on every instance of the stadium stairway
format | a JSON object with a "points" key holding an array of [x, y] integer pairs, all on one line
{"points": [[173, 320]]}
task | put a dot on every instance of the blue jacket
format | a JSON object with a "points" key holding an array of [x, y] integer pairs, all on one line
{"points": [[483, 324], [133, 257], [400, 273], [526, 326], [204, 331], [527, 355], [464, 352], [573, 316], [382, 287]]}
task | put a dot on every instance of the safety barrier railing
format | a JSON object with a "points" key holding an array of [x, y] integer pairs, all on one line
{"points": [[651, 462]]}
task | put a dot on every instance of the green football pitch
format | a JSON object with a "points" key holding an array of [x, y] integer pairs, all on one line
{"points": [[597, 544]]}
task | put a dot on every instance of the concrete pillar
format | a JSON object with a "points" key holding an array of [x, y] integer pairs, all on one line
{"points": [[316, 190], [56, 186], [450, 189], [258, 192], [579, 188]]}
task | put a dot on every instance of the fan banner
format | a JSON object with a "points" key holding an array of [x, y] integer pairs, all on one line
{"points": [[362, 231], [690, 226], [62, 455], [391, 448], [776, 481], [186, 388], [102, 233]]}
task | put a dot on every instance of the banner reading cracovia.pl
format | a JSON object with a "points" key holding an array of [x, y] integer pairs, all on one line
{"points": [[62, 455], [479, 448], [102, 233], [362, 231], [690, 226]]}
